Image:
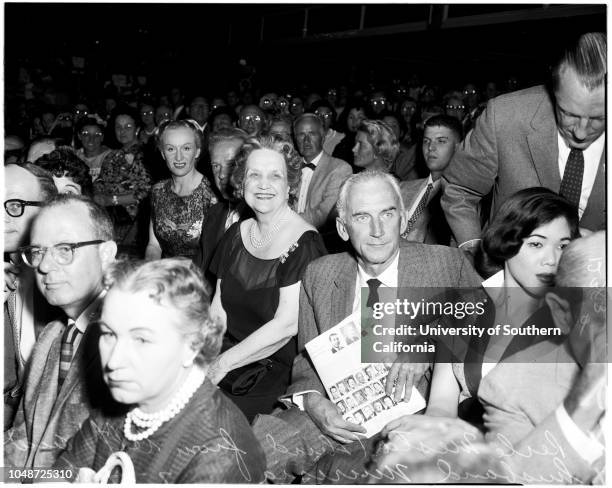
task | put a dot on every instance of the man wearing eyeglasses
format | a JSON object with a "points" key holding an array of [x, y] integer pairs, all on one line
{"points": [[536, 137], [26, 311], [252, 120], [71, 245]]}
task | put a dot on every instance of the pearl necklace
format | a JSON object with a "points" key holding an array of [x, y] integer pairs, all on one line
{"points": [[152, 421], [267, 237]]}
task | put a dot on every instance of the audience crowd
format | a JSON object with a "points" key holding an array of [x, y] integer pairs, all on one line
{"points": [[167, 259]]}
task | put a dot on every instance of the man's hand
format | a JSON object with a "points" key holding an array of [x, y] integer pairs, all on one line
{"points": [[328, 418], [11, 272], [402, 375]]}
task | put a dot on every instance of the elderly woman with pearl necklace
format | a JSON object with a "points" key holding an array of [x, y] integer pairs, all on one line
{"points": [[157, 342], [259, 265]]}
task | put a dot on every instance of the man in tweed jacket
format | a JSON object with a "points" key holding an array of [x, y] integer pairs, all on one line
{"points": [[371, 217], [51, 411]]}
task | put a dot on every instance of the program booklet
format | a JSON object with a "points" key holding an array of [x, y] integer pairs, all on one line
{"points": [[357, 389]]}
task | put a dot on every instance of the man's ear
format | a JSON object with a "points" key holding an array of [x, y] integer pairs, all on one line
{"points": [[403, 221], [561, 312], [341, 228], [108, 252]]}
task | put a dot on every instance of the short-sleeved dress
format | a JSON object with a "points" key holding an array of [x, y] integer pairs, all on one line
{"points": [[177, 220], [250, 296]]}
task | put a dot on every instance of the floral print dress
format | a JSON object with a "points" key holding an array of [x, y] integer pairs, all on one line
{"points": [[177, 220], [123, 173]]}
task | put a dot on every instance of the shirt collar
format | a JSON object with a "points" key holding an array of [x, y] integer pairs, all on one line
{"points": [[200, 127], [316, 160], [493, 283], [388, 277], [595, 148], [91, 313]]}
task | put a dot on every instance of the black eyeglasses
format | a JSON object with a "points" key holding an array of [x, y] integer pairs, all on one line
{"points": [[63, 253], [15, 207]]}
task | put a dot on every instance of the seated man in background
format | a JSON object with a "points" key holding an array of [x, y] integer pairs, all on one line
{"points": [[71, 245], [223, 147], [322, 176], [26, 312], [426, 220]]}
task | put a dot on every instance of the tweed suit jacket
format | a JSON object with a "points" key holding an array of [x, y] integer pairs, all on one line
{"points": [[324, 190], [328, 292], [46, 419], [14, 366], [519, 400], [514, 145]]}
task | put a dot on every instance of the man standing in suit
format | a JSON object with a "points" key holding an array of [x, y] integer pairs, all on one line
{"points": [[26, 312], [371, 217], [536, 137], [71, 246], [426, 220], [322, 175]]}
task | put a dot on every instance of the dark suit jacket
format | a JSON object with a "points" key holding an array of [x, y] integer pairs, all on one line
{"points": [[213, 229], [513, 146], [431, 227], [328, 292], [47, 419], [323, 191]]}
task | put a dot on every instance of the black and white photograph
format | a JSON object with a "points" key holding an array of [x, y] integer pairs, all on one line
{"points": [[196, 193]]}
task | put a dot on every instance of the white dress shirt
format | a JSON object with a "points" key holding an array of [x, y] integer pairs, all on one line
{"points": [[91, 313], [388, 279], [592, 156], [306, 177]]}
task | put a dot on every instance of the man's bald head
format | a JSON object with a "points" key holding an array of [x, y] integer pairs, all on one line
{"points": [[583, 263]]}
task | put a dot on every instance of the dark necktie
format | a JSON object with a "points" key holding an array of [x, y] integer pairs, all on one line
{"points": [[418, 210], [309, 165], [373, 285], [571, 185], [67, 350]]}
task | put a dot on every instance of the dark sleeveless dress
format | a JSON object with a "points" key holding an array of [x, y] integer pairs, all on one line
{"points": [[250, 296]]}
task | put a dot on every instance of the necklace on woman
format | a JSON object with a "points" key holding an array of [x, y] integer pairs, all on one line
{"points": [[152, 421], [267, 237]]}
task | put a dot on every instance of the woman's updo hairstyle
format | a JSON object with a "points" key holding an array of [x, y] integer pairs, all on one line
{"points": [[178, 284]]}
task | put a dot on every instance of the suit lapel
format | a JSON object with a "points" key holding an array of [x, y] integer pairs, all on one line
{"points": [[594, 214], [343, 290], [410, 191], [83, 358], [44, 396], [544, 147], [317, 176]]}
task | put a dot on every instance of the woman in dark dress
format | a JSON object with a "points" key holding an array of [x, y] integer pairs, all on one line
{"points": [[523, 243], [179, 204], [259, 264], [156, 343]]}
